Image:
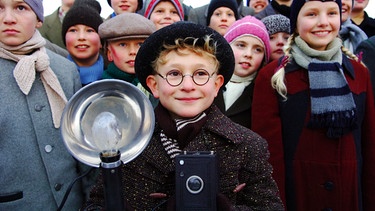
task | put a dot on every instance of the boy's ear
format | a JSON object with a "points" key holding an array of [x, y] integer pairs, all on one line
{"points": [[153, 85], [109, 54], [219, 81], [39, 24]]}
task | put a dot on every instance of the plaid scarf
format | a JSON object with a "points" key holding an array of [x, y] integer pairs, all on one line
{"points": [[332, 103]]}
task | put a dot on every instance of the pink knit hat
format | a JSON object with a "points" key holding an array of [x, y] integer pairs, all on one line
{"points": [[153, 4], [250, 26]]}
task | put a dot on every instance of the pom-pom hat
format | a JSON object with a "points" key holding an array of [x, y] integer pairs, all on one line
{"points": [[151, 6], [126, 26], [37, 7], [296, 7], [276, 23], [153, 45], [250, 26]]}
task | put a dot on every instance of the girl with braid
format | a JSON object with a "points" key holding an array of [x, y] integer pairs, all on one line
{"points": [[315, 108]]}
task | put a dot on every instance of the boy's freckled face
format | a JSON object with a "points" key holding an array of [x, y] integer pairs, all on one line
{"points": [[188, 99], [18, 22], [123, 52]]}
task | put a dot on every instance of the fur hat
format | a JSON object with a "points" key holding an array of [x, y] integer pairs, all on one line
{"points": [[140, 4], [153, 45], [85, 14], [126, 25], [37, 7], [214, 4], [276, 23], [250, 26], [153, 4], [296, 7]]}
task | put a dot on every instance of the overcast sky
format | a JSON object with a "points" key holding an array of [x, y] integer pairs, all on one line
{"points": [[51, 5]]}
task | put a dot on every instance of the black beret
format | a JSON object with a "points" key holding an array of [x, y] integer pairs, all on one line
{"points": [[152, 46]]}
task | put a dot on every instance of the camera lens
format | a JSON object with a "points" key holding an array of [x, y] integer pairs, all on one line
{"points": [[194, 184]]}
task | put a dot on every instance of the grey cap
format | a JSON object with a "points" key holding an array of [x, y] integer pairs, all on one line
{"points": [[126, 26], [276, 23]]}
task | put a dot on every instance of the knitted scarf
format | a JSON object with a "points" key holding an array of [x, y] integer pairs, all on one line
{"points": [[91, 73], [351, 35], [31, 57], [177, 133], [332, 103]]}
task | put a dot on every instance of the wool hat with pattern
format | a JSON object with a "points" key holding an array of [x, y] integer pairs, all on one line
{"points": [[85, 14], [153, 4], [153, 45], [140, 4], [250, 26], [276, 23], [296, 7], [214, 4], [126, 26], [37, 7]]}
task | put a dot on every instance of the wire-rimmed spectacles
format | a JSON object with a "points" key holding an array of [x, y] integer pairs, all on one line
{"points": [[175, 77]]}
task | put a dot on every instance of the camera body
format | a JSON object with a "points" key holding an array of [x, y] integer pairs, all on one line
{"points": [[196, 181]]}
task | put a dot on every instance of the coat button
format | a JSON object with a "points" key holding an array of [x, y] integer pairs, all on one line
{"points": [[48, 148], [38, 108], [58, 186], [329, 185]]}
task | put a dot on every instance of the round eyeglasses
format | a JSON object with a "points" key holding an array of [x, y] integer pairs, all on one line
{"points": [[175, 77]]}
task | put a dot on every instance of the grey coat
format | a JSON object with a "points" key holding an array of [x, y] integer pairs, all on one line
{"points": [[36, 168]]}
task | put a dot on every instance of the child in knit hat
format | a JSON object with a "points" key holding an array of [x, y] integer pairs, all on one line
{"points": [[121, 6], [164, 12], [315, 107], [123, 36], [221, 14], [249, 40], [278, 27], [35, 83], [184, 65], [80, 32]]}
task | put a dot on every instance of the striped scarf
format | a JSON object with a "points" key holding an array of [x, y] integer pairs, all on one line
{"points": [[332, 103], [177, 133]]}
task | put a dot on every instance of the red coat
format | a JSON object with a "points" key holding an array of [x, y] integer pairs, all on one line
{"points": [[314, 172]]}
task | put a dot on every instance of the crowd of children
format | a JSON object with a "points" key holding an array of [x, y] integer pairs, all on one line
{"points": [[274, 89]]}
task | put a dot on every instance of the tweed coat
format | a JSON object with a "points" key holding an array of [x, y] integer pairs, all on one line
{"points": [[199, 15], [313, 171], [240, 111], [36, 168], [51, 29], [242, 156]]}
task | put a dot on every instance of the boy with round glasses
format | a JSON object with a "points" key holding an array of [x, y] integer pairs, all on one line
{"points": [[184, 65]]}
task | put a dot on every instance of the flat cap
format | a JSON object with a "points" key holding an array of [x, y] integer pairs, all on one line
{"points": [[126, 26], [153, 45]]}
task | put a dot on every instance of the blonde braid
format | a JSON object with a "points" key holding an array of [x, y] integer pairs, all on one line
{"points": [[351, 55], [278, 79]]}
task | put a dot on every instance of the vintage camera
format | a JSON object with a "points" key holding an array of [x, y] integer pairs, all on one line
{"points": [[196, 181]]}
